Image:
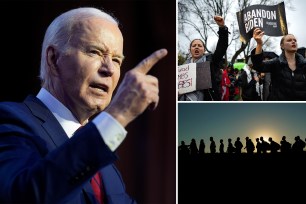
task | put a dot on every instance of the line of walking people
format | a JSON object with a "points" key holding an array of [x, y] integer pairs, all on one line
{"points": [[261, 146]]}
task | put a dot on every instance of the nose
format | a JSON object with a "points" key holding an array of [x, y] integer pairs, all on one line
{"points": [[107, 67]]}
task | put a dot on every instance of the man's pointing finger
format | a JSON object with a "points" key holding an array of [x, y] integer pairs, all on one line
{"points": [[145, 65]]}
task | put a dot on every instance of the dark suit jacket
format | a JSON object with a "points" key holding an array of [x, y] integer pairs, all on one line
{"points": [[40, 164]]}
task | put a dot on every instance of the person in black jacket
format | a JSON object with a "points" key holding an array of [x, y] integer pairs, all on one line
{"points": [[247, 81], [288, 71], [197, 51]]}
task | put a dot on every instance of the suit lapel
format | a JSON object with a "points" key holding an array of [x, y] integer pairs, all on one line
{"points": [[49, 122], [57, 135]]}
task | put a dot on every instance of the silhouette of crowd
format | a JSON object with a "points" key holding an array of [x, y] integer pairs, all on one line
{"points": [[261, 147]]}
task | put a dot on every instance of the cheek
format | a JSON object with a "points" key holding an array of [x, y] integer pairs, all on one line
{"points": [[69, 68], [68, 75]]}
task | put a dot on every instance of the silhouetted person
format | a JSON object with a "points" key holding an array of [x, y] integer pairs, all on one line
{"points": [[221, 147], [238, 145], [298, 145], [258, 146], [183, 150], [230, 147], [265, 146], [193, 148], [212, 145], [201, 147], [274, 146], [285, 145], [249, 145]]}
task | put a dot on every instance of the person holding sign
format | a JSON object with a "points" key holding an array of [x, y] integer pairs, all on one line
{"points": [[197, 51], [288, 71]]}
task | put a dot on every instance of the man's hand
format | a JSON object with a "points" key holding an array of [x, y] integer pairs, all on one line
{"points": [[137, 91]]}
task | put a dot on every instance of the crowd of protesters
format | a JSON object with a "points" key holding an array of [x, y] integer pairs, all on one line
{"points": [[263, 78], [243, 84]]}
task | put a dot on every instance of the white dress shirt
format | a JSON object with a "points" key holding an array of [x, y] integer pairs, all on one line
{"points": [[110, 129]]}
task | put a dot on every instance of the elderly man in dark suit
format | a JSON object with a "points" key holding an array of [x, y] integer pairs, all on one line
{"points": [[45, 157]]}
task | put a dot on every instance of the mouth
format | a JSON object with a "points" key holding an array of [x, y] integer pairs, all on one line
{"points": [[100, 87]]}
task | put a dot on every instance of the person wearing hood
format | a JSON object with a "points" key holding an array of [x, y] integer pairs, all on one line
{"points": [[288, 71]]}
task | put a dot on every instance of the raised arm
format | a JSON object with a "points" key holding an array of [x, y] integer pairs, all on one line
{"points": [[257, 54], [222, 41]]}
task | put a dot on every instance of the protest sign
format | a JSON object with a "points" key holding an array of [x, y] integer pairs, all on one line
{"points": [[193, 76], [270, 19]]}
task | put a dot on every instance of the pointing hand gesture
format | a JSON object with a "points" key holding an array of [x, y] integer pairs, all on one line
{"points": [[137, 91]]}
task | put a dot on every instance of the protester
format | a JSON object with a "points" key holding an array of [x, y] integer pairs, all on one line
{"points": [[225, 85], [198, 55], [248, 80], [287, 71]]}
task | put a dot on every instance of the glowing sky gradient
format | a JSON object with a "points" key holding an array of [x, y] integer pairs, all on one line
{"points": [[232, 120]]}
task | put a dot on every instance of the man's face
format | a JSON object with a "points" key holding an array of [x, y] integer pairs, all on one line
{"points": [[197, 49], [89, 70]]}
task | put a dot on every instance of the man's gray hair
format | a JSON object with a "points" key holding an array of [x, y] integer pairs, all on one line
{"points": [[61, 29]]}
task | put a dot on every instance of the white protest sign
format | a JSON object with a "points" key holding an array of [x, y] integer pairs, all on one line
{"points": [[187, 78], [193, 76]]}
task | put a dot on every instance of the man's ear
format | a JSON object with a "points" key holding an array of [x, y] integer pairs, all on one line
{"points": [[52, 57]]}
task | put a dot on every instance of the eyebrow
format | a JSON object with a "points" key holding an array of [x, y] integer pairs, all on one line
{"points": [[106, 50]]}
